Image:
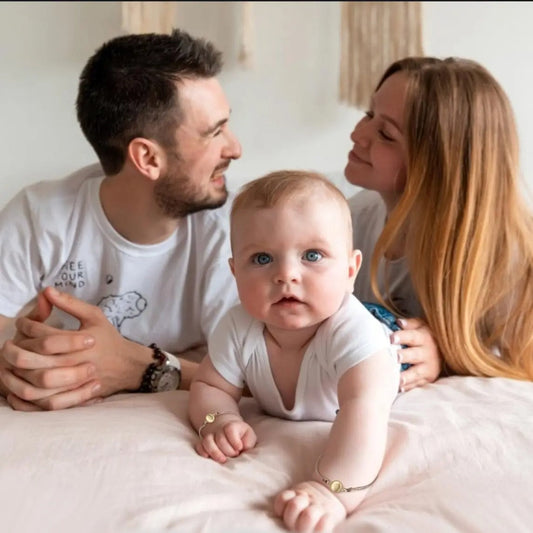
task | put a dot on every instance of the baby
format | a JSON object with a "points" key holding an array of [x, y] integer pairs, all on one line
{"points": [[303, 344]]}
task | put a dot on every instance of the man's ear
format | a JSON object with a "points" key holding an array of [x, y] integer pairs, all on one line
{"points": [[231, 265], [147, 156], [353, 267]]}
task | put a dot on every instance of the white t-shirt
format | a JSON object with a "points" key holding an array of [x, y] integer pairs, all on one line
{"points": [[368, 219], [173, 293], [238, 351]]}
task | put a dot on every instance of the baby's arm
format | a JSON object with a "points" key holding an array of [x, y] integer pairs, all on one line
{"points": [[224, 434], [354, 450]]}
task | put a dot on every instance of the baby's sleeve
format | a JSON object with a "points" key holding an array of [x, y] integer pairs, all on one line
{"points": [[225, 347], [353, 337]]}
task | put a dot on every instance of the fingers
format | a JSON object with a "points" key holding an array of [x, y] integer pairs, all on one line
{"points": [[47, 341], [240, 436], [21, 358], [281, 501], [22, 389], [299, 513], [20, 405], [42, 309], [412, 356], [72, 398], [34, 328], [68, 377], [233, 436], [249, 439], [409, 337], [227, 441], [420, 351], [48, 383], [210, 447], [86, 313], [412, 378], [292, 504], [411, 323], [309, 507]]}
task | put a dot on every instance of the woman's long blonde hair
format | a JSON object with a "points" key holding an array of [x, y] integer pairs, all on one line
{"points": [[469, 232]]}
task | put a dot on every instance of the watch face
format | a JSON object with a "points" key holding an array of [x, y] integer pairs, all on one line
{"points": [[169, 380]]}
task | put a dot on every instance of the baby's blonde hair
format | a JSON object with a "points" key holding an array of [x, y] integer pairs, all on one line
{"points": [[284, 185]]}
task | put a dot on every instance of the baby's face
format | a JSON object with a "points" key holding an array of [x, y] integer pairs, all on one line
{"points": [[293, 263]]}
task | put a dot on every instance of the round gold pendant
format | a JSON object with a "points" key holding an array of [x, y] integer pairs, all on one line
{"points": [[336, 486], [210, 418]]}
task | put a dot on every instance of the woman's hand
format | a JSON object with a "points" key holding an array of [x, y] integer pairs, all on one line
{"points": [[422, 353]]}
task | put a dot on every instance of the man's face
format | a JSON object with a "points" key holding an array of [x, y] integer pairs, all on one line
{"points": [[194, 177]]}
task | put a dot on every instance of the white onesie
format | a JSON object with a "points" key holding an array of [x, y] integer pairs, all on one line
{"points": [[238, 352]]}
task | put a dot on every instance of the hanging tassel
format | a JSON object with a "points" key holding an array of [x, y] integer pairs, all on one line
{"points": [[247, 38], [374, 35], [148, 17]]}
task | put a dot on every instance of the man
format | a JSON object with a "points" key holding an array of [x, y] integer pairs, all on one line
{"points": [[136, 248]]}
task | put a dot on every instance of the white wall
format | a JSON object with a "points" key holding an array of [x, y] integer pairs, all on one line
{"points": [[285, 110]]}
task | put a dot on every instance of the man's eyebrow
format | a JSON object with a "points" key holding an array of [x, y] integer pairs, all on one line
{"points": [[215, 127]]}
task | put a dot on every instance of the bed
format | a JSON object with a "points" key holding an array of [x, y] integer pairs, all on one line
{"points": [[459, 458]]}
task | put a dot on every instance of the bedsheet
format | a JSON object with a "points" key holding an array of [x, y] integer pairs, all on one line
{"points": [[459, 458]]}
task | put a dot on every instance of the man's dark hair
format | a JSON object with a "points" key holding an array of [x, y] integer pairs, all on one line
{"points": [[128, 89]]}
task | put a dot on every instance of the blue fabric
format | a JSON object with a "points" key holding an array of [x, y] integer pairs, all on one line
{"points": [[385, 316]]}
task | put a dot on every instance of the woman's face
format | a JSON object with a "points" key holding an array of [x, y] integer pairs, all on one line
{"points": [[378, 158]]}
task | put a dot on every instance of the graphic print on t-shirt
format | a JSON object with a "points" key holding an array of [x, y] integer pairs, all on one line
{"points": [[119, 307], [72, 274]]}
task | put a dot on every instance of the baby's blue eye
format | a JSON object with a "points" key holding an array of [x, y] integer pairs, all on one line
{"points": [[313, 256], [262, 259]]}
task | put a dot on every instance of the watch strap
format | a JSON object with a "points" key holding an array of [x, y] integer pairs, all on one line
{"points": [[160, 358]]}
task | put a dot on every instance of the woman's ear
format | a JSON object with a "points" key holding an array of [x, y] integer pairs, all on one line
{"points": [[147, 156]]}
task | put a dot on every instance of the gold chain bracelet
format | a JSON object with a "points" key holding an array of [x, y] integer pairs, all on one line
{"points": [[337, 486], [210, 418]]}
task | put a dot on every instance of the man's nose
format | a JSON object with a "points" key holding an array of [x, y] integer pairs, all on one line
{"points": [[233, 149]]}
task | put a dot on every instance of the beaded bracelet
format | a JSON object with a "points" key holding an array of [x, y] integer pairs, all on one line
{"points": [[337, 486], [210, 418]]}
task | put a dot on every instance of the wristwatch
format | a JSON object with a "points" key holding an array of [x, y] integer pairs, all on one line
{"points": [[164, 374]]}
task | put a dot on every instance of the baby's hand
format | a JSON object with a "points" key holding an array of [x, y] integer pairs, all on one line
{"points": [[228, 439], [309, 507]]}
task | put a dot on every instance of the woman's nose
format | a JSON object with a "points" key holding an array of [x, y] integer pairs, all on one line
{"points": [[361, 134]]}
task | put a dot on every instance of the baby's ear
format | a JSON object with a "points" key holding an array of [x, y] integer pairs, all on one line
{"points": [[354, 264], [231, 265]]}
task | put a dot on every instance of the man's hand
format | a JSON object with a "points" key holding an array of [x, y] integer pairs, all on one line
{"points": [[422, 353], [48, 368]]}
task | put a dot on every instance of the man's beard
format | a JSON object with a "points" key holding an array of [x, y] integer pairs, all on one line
{"points": [[177, 197]]}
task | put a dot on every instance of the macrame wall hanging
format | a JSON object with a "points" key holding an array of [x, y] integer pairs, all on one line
{"points": [[373, 35], [160, 17], [148, 17], [246, 58]]}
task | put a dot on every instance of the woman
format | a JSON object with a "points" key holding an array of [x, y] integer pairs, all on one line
{"points": [[444, 232]]}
